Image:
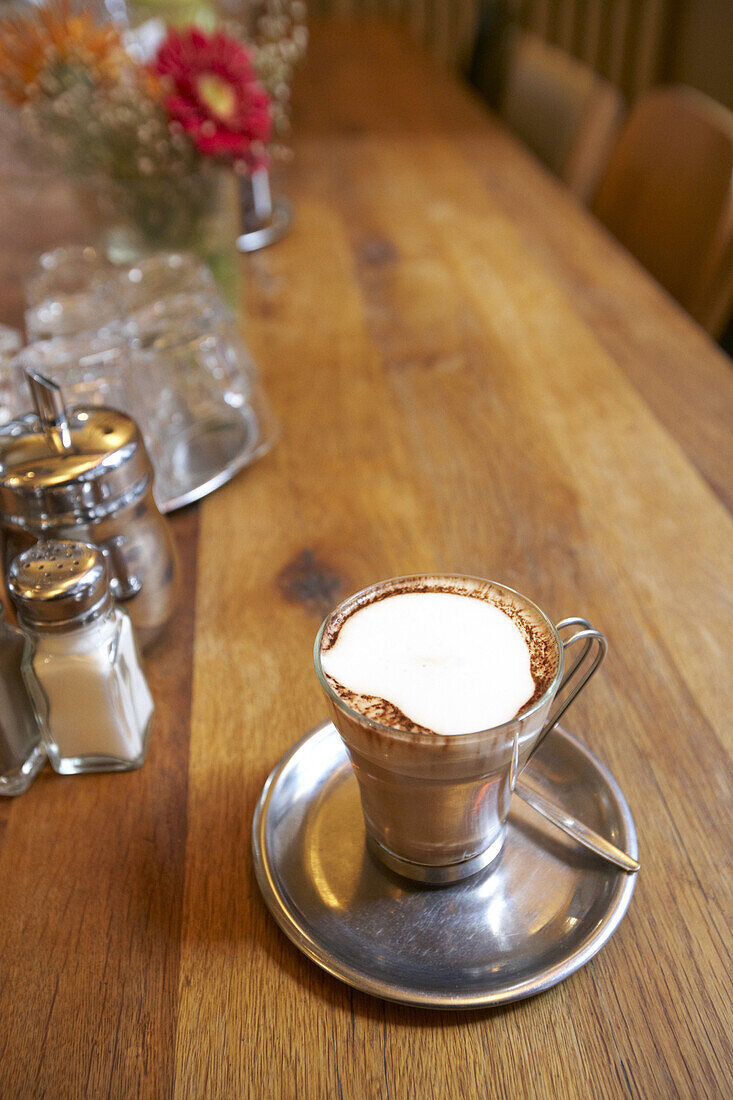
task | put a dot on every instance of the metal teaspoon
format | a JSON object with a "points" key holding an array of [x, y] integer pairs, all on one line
{"points": [[574, 828]]}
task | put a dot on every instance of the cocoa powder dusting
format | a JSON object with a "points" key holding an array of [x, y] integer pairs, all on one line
{"points": [[378, 710]]}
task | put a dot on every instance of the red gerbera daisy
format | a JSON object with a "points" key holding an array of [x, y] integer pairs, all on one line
{"points": [[212, 90]]}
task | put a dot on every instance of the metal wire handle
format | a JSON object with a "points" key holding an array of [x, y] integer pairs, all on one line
{"points": [[593, 650]]}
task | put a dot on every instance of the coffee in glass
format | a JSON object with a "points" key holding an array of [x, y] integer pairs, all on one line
{"points": [[441, 686]]}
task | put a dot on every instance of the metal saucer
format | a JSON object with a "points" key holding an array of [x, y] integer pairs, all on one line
{"points": [[545, 909], [211, 452], [205, 458]]}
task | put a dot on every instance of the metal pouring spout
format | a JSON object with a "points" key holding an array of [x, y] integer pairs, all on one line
{"points": [[49, 404]]}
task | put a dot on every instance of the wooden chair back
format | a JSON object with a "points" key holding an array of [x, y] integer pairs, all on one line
{"points": [[624, 40], [667, 196], [567, 114]]}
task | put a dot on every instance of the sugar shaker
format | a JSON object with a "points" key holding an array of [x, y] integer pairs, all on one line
{"points": [[21, 753], [85, 474], [81, 663]]}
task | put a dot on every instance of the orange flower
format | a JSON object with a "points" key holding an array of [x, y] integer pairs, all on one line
{"points": [[54, 36]]}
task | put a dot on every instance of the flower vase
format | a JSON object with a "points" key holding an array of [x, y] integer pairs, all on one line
{"points": [[197, 212]]}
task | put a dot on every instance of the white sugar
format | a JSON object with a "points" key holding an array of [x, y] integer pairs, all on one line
{"points": [[451, 663]]}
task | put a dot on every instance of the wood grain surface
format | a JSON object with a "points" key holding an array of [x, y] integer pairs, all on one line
{"points": [[470, 376]]}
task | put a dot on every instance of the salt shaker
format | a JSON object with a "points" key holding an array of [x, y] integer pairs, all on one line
{"points": [[81, 662], [84, 474], [21, 752]]}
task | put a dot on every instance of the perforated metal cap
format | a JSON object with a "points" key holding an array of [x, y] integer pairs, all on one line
{"points": [[59, 583]]}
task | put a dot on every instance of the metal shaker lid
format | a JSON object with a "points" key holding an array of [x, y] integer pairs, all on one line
{"points": [[59, 583], [65, 467]]}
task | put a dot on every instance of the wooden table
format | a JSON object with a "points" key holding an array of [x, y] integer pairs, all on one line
{"points": [[470, 376]]}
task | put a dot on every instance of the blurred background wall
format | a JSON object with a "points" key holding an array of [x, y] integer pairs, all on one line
{"points": [[635, 43], [701, 50]]}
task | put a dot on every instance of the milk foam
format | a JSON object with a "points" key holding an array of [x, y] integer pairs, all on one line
{"points": [[453, 664]]}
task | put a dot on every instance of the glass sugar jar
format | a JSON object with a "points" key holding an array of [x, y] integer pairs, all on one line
{"points": [[81, 662]]}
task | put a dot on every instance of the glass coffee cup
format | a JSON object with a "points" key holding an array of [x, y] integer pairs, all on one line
{"points": [[436, 805]]}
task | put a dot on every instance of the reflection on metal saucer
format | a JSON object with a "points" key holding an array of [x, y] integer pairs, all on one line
{"points": [[542, 912]]}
